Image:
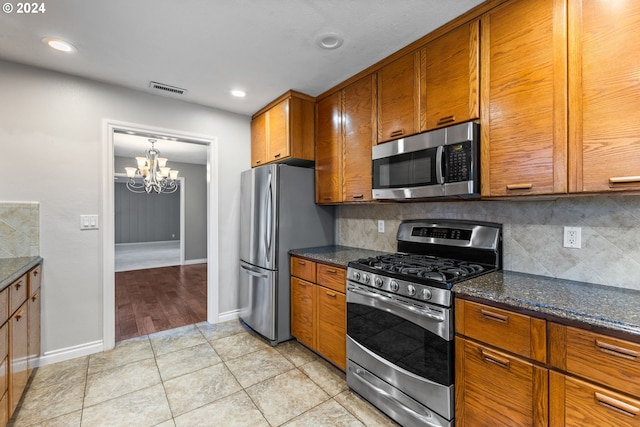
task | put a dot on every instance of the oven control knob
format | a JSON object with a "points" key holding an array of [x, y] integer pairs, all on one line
{"points": [[365, 278], [411, 290], [426, 294], [378, 282], [356, 275], [394, 286]]}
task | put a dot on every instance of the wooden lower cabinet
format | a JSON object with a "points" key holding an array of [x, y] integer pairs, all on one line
{"points": [[498, 389], [318, 310], [18, 352]]}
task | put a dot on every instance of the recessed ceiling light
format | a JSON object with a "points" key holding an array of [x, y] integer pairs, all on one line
{"points": [[238, 93], [330, 41], [58, 44]]}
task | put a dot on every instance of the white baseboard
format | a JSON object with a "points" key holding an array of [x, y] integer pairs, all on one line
{"points": [[228, 315], [195, 261], [68, 353]]}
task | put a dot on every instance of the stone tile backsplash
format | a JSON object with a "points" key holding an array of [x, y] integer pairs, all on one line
{"points": [[532, 233], [19, 229]]}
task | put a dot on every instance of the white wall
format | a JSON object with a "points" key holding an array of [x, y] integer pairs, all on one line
{"points": [[50, 152]]}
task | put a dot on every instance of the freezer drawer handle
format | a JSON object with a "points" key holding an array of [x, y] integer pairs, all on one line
{"points": [[253, 272]]}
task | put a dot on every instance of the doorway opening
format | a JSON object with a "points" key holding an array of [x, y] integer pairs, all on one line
{"points": [[198, 258]]}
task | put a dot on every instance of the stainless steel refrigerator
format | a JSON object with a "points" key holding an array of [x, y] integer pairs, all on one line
{"points": [[277, 213]]}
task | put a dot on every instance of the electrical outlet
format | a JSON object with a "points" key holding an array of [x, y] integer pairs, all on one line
{"points": [[572, 237], [380, 226]]}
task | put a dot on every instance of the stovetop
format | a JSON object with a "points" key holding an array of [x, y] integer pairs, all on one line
{"points": [[433, 256]]}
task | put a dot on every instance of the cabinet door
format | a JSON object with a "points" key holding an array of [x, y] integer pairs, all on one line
{"points": [[399, 98], [329, 149], [278, 131], [452, 77], [523, 99], [496, 389], [359, 137], [302, 311], [604, 95], [259, 140], [332, 325], [18, 343], [34, 331]]}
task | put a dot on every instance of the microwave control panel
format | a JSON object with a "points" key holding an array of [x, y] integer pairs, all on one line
{"points": [[458, 162]]}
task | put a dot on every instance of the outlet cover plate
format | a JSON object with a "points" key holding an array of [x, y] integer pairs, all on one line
{"points": [[572, 237]]}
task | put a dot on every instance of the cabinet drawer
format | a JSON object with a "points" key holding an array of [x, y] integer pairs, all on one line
{"points": [[303, 268], [302, 310], [332, 277], [35, 280], [518, 333], [332, 320], [17, 293], [498, 389], [609, 361], [585, 404]]}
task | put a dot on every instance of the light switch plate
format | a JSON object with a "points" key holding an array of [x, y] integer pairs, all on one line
{"points": [[89, 222]]}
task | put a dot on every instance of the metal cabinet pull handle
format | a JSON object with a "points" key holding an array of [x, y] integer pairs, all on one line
{"points": [[615, 350], [18, 285], [446, 119], [19, 315], [258, 162], [624, 180], [302, 263], [497, 360], [358, 196], [331, 271], [331, 294], [495, 316], [276, 155], [304, 285], [35, 273], [616, 405], [327, 198], [397, 132], [523, 186]]}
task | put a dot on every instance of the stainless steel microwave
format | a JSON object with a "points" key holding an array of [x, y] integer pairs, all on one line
{"points": [[439, 163]]}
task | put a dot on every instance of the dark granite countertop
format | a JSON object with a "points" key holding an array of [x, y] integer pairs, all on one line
{"points": [[607, 307], [12, 268], [335, 254]]}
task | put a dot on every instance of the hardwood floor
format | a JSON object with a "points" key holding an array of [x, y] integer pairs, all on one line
{"points": [[158, 299]]}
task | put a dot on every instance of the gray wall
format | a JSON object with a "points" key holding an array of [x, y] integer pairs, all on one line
{"points": [[145, 217], [195, 179], [51, 128]]}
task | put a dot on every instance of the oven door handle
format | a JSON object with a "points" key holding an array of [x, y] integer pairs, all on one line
{"points": [[389, 302], [428, 421]]}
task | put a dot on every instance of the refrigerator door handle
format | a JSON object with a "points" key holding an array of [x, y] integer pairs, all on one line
{"points": [[269, 218], [253, 271]]}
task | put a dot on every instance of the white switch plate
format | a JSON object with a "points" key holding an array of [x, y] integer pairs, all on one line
{"points": [[89, 222], [380, 226]]}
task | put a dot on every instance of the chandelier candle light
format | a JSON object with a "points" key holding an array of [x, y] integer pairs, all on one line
{"points": [[155, 173]]}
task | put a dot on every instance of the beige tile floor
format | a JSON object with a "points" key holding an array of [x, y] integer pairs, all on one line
{"points": [[197, 375]]}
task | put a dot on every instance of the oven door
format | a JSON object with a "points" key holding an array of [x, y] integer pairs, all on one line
{"points": [[406, 344], [409, 167]]}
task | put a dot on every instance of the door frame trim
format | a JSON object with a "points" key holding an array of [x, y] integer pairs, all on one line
{"points": [[107, 231]]}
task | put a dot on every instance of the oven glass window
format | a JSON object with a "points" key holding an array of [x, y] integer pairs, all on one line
{"points": [[401, 342], [413, 169]]}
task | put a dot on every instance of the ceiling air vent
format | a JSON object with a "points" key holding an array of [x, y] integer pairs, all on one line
{"points": [[167, 88]]}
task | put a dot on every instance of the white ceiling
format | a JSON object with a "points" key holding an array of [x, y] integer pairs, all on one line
{"points": [[176, 150], [209, 47]]}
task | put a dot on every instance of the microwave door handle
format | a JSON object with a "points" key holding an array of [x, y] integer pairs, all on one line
{"points": [[440, 164]]}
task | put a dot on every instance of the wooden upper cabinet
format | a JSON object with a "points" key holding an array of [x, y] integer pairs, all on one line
{"points": [[259, 140], [399, 93], [359, 121], [524, 99], [452, 77], [329, 149], [279, 131], [345, 134], [604, 137], [284, 130]]}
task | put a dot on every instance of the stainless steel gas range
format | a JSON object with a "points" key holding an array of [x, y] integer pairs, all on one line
{"points": [[400, 317]]}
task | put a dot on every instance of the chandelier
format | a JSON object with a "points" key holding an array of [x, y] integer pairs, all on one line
{"points": [[155, 174]]}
